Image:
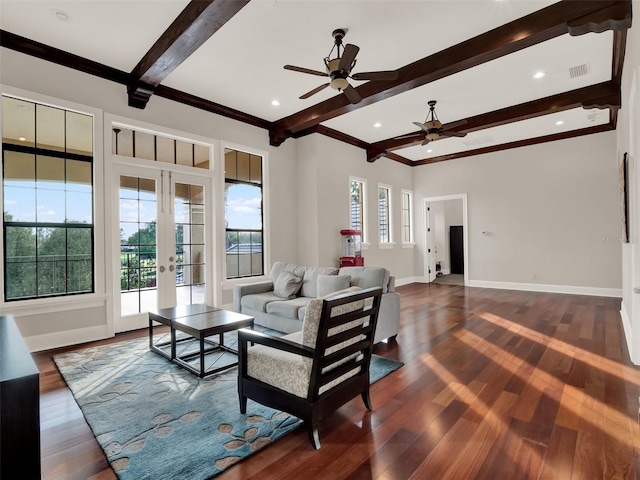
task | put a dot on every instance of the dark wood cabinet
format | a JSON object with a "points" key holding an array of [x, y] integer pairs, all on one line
{"points": [[19, 406]]}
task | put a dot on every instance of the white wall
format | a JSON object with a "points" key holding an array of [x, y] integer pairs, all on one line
{"points": [[325, 168], [34, 75], [551, 210], [628, 140]]}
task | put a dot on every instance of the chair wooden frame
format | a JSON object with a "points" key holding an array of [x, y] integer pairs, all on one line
{"points": [[317, 406]]}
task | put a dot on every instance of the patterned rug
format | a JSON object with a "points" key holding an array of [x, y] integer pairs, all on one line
{"points": [[154, 420]]}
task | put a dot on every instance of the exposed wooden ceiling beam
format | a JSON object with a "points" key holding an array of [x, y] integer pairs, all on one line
{"points": [[602, 95], [575, 18], [55, 55], [519, 143], [195, 25]]}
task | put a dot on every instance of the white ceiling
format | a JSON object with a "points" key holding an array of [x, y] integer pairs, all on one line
{"points": [[240, 66]]}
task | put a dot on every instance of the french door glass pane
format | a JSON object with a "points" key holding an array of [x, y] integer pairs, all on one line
{"points": [[138, 251], [189, 215]]}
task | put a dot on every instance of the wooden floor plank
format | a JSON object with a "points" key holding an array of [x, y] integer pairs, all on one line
{"points": [[496, 384]]}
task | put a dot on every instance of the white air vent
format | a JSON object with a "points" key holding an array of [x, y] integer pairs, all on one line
{"points": [[476, 142], [579, 70]]}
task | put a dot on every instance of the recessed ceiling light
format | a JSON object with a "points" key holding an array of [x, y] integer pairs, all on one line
{"points": [[22, 139], [275, 103], [538, 75], [560, 122], [61, 15], [429, 151], [377, 124]]}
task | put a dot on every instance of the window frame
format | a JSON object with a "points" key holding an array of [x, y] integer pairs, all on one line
{"points": [[72, 301], [262, 231], [363, 214], [389, 243], [410, 242]]}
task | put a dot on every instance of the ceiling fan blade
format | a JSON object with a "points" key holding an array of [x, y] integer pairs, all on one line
{"points": [[421, 125], [453, 134], [352, 94], [450, 125], [386, 75], [305, 70], [348, 56], [314, 91], [426, 140]]}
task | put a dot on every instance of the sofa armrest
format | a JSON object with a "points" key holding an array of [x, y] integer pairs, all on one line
{"points": [[243, 289], [391, 286]]}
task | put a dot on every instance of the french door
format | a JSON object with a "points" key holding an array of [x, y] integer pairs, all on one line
{"points": [[161, 237]]}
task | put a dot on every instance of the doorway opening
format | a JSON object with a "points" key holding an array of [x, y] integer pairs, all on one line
{"points": [[446, 240]]}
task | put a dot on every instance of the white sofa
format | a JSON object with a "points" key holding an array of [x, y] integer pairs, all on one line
{"points": [[285, 314]]}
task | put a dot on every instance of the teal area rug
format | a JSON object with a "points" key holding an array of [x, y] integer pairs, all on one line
{"points": [[155, 420]]}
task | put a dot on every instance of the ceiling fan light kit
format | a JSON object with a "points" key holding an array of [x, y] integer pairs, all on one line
{"points": [[339, 69]]}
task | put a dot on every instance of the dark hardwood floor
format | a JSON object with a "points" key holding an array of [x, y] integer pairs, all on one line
{"points": [[496, 385]]}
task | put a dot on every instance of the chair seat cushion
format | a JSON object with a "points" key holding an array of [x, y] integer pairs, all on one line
{"points": [[259, 301], [288, 308], [283, 370]]}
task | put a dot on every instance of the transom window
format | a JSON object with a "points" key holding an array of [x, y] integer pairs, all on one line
{"points": [[243, 214], [47, 177], [148, 146]]}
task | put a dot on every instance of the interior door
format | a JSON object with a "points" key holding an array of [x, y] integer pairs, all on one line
{"points": [[161, 230], [456, 248], [430, 254]]}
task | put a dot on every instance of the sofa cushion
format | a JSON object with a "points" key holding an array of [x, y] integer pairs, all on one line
{"points": [[278, 267], [310, 280], [259, 301], [332, 283], [367, 277], [288, 308], [287, 285]]}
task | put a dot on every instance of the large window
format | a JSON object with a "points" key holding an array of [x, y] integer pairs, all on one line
{"points": [[407, 217], [47, 158], [243, 214], [384, 213], [357, 206]]}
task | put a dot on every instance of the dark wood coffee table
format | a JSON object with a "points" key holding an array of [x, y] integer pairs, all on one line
{"points": [[198, 322]]}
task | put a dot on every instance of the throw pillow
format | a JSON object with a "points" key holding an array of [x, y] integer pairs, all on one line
{"points": [[287, 285], [328, 284]]}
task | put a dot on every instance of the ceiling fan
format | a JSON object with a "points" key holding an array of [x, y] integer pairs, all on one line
{"points": [[339, 69], [435, 129]]}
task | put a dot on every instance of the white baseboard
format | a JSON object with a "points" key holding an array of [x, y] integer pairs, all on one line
{"points": [[539, 287], [531, 287], [409, 280], [48, 341]]}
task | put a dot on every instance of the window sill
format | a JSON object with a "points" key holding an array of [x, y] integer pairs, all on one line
{"points": [[409, 245], [38, 306], [386, 246]]}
